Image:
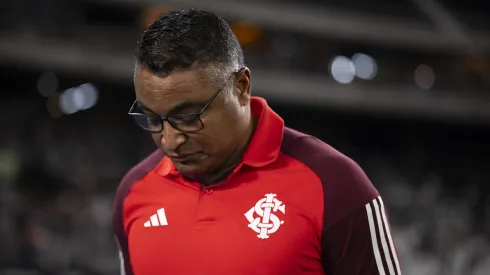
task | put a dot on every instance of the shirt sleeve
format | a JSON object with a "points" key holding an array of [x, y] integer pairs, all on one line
{"points": [[124, 267], [356, 237], [361, 243], [133, 176], [120, 234]]}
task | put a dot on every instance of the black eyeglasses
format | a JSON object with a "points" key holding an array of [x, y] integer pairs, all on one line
{"points": [[185, 123]]}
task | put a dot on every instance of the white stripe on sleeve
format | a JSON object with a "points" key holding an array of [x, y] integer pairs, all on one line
{"points": [[381, 237], [121, 262], [374, 240], [122, 270], [390, 238]]}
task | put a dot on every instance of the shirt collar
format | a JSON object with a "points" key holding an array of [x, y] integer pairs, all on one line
{"points": [[267, 139], [265, 145]]}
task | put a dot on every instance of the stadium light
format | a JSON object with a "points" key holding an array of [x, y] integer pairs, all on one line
{"points": [[342, 69], [366, 67], [78, 98]]}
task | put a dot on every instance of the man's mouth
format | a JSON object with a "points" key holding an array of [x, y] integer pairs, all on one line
{"points": [[184, 157]]}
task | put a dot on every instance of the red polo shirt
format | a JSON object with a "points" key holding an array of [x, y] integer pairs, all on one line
{"points": [[293, 206]]}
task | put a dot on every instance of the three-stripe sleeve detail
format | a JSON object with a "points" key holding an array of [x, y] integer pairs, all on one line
{"points": [[382, 242]]}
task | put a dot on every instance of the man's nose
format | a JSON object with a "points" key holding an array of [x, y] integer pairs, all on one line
{"points": [[171, 138]]}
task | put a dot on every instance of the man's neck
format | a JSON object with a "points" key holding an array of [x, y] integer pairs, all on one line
{"points": [[232, 161]]}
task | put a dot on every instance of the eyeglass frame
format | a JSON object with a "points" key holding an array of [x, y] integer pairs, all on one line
{"points": [[197, 115]]}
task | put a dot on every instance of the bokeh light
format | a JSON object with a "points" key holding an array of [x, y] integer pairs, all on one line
{"points": [[47, 84], [342, 69], [424, 77], [78, 98], [246, 32], [365, 65]]}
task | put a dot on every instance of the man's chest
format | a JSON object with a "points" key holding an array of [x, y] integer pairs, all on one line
{"points": [[266, 229]]}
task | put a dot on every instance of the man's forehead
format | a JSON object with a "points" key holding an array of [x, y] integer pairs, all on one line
{"points": [[144, 78], [163, 94]]}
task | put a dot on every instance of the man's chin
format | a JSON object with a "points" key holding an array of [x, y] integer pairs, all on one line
{"points": [[190, 169]]}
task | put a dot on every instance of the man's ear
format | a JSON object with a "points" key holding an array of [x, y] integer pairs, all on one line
{"points": [[243, 86]]}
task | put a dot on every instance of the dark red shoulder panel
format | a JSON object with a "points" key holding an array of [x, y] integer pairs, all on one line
{"points": [[133, 176], [346, 187]]}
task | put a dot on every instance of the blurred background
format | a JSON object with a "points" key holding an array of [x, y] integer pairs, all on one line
{"points": [[402, 87]]}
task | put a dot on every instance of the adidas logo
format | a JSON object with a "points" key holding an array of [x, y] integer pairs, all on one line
{"points": [[158, 219]]}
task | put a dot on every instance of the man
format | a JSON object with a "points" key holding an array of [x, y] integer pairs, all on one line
{"points": [[233, 191]]}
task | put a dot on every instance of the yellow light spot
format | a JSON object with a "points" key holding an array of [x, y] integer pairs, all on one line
{"points": [[246, 32]]}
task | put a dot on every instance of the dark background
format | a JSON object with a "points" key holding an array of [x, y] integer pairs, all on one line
{"points": [[422, 135]]}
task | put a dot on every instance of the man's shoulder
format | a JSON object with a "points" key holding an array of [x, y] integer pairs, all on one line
{"points": [[132, 176], [311, 150], [346, 187], [138, 171]]}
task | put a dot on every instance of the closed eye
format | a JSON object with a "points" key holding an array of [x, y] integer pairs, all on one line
{"points": [[153, 120], [184, 118]]}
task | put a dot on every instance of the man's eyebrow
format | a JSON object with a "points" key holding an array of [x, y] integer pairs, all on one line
{"points": [[142, 106], [176, 109], [184, 105]]}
